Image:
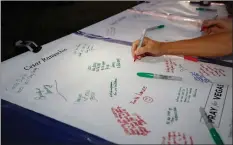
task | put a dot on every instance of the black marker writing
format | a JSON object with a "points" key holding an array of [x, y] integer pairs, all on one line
{"points": [[218, 91], [88, 95], [22, 81], [118, 20], [36, 64], [59, 92]]}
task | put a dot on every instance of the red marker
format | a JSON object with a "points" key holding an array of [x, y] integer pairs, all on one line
{"points": [[135, 58], [209, 60], [203, 28]]}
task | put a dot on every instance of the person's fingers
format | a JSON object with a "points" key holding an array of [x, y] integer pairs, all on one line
{"points": [[134, 47], [204, 31], [209, 23], [145, 40], [208, 31], [211, 33], [215, 30], [141, 50]]}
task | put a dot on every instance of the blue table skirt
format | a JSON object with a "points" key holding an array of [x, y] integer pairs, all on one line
{"points": [[22, 126]]}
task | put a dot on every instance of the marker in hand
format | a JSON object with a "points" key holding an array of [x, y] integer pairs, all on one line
{"points": [[140, 43], [204, 28], [143, 35]]}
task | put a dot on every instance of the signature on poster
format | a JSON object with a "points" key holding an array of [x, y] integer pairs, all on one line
{"points": [[100, 66], [111, 31], [182, 68], [118, 20], [200, 78], [88, 95], [172, 115], [47, 90], [139, 95], [23, 81], [170, 65], [185, 94], [83, 48], [230, 132], [113, 88], [211, 70]]}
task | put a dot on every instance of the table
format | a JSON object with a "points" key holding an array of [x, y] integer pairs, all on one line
{"points": [[99, 29]]}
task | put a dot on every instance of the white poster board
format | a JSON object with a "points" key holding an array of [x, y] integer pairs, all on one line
{"points": [[128, 26], [182, 8], [93, 85]]}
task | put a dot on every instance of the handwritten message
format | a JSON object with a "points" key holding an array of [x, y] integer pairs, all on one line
{"points": [[215, 103], [83, 48], [185, 94], [177, 138], [113, 88], [230, 131], [182, 68], [139, 95], [206, 69], [45, 59], [132, 124], [100, 66], [23, 81], [137, 16], [170, 65], [200, 78], [46, 90], [88, 95], [111, 31], [118, 20], [172, 115]]}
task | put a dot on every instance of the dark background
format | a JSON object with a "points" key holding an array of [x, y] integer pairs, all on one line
{"points": [[43, 22]]}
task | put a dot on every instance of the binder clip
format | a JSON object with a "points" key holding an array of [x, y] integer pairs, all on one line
{"points": [[32, 46]]}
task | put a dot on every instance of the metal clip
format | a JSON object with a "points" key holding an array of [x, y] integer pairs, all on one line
{"points": [[30, 45]]}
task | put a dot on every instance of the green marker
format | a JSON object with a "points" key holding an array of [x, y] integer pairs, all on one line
{"points": [[158, 76], [155, 27], [206, 9], [212, 130]]}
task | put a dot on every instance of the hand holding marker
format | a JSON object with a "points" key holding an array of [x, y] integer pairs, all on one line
{"points": [[204, 28], [143, 35]]}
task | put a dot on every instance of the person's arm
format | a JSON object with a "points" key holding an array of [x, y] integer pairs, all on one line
{"points": [[208, 46]]}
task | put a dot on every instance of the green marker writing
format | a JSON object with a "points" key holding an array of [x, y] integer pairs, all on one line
{"points": [[212, 130], [158, 76]]}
